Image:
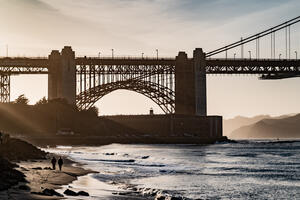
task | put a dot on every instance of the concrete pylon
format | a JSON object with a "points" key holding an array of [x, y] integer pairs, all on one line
{"points": [[54, 61], [62, 75], [200, 82], [190, 84], [184, 86]]}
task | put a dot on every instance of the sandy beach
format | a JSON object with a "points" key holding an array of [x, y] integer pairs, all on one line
{"points": [[40, 176]]}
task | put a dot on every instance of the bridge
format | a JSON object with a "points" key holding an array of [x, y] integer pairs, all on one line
{"points": [[177, 85]]}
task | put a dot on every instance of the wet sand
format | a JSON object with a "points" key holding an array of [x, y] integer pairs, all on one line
{"points": [[40, 177], [73, 176]]}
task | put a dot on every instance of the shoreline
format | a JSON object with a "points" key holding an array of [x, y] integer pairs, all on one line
{"points": [[101, 140], [40, 177], [73, 176]]}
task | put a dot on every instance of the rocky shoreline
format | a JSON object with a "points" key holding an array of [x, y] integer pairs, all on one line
{"points": [[26, 173]]}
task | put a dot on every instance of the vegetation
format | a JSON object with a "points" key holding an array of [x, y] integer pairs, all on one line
{"points": [[46, 118], [41, 101], [22, 100]]}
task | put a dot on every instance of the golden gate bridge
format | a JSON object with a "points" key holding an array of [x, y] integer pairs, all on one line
{"points": [[177, 85]]}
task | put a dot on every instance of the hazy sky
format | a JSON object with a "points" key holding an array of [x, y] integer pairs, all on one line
{"points": [[35, 27]]}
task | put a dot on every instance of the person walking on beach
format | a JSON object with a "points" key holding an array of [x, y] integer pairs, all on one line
{"points": [[60, 163], [53, 161]]}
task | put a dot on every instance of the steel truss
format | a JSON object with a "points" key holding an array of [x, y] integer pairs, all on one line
{"points": [[15, 66], [154, 78], [4, 88], [268, 69], [153, 81]]}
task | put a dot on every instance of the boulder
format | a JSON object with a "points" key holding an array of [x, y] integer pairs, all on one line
{"points": [[160, 197], [82, 193], [24, 187], [37, 168], [47, 168], [70, 192], [51, 192]]}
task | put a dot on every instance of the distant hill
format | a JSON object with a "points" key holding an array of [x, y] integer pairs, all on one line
{"points": [[282, 127], [230, 125]]}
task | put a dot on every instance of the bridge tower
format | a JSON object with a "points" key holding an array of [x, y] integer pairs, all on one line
{"points": [[62, 75], [4, 88], [190, 84]]}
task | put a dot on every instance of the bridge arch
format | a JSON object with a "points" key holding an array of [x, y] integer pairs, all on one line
{"points": [[163, 96]]}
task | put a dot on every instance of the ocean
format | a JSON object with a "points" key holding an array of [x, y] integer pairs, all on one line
{"points": [[248, 169]]}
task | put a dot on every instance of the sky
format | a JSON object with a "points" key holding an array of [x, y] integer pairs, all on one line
{"points": [[133, 27]]}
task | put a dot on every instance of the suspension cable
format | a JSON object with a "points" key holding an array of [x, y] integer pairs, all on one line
{"points": [[255, 36]]}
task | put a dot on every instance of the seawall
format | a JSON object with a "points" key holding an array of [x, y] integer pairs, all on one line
{"points": [[173, 125]]}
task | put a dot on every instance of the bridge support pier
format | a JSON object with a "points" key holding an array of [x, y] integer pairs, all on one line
{"points": [[62, 75], [190, 84], [4, 88]]}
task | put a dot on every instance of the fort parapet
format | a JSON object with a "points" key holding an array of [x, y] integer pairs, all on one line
{"points": [[173, 125]]}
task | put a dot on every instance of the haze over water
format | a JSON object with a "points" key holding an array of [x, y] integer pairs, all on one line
{"points": [[243, 170]]}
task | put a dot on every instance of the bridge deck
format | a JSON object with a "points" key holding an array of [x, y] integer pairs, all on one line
{"points": [[18, 65]]}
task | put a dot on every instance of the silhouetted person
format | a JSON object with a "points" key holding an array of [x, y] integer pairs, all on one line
{"points": [[60, 163], [53, 161]]}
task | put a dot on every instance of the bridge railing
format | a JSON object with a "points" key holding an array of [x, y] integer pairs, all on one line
{"points": [[252, 59], [125, 58], [24, 57]]}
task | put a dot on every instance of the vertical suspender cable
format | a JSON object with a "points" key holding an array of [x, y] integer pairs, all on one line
{"points": [[286, 44], [289, 42], [271, 45], [274, 45], [242, 48], [258, 48]]}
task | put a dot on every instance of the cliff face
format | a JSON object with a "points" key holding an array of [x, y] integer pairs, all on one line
{"points": [[12, 149], [287, 127]]}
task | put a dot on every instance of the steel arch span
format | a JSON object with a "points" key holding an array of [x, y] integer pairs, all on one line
{"points": [[163, 96]]}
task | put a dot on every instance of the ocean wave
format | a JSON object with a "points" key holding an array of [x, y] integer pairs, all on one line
{"points": [[252, 155], [130, 162], [152, 193], [116, 161]]}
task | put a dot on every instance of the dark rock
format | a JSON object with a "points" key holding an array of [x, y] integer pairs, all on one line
{"points": [[83, 193], [51, 192], [47, 168], [8, 175], [37, 168], [145, 157], [109, 154], [38, 193], [123, 193], [160, 197], [24, 187], [24, 169], [70, 192]]}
